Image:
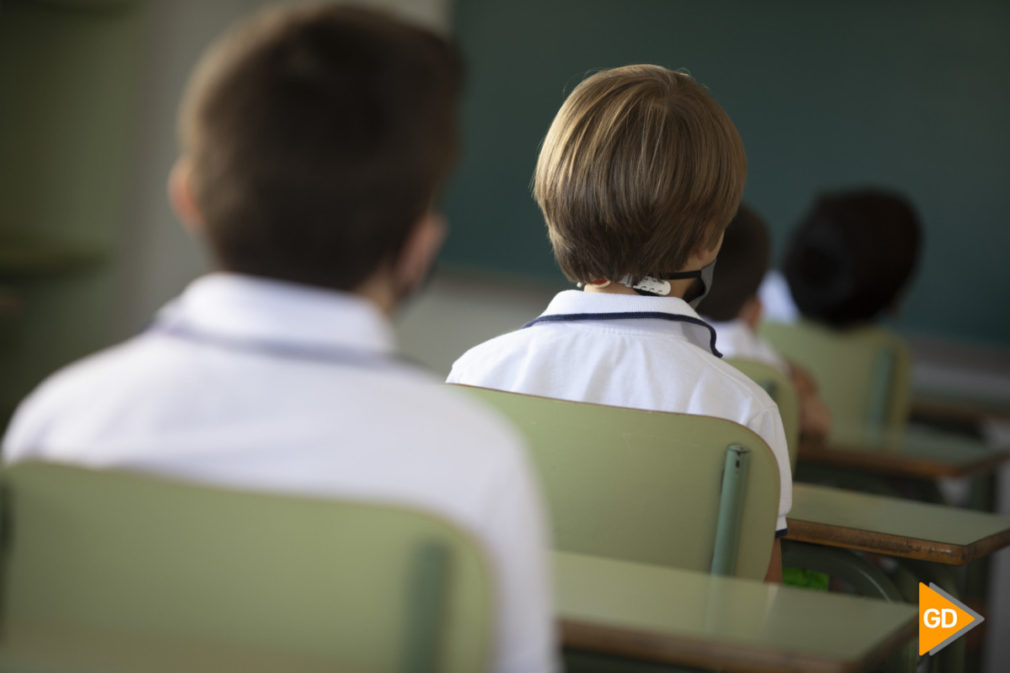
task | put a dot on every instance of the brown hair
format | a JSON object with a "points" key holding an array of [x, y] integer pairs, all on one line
{"points": [[741, 266], [639, 168], [318, 136]]}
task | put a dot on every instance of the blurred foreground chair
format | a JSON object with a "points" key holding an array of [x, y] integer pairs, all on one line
{"points": [[689, 491], [112, 571]]}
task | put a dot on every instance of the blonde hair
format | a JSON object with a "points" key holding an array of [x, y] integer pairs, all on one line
{"points": [[639, 168]]}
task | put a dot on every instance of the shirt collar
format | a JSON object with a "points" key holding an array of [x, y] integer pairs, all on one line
{"points": [[246, 307], [579, 302]]}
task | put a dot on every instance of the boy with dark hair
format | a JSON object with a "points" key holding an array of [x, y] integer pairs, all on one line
{"points": [[315, 140], [743, 261], [852, 257], [638, 176], [735, 309]]}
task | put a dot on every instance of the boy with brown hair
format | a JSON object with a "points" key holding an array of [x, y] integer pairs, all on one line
{"points": [[315, 141], [638, 176], [735, 310]]}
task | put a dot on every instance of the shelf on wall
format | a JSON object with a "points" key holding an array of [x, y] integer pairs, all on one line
{"points": [[31, 261]]}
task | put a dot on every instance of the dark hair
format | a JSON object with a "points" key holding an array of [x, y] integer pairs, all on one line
{"points": [[639, 168], [740, 267], [852, 255], [318, 137]]}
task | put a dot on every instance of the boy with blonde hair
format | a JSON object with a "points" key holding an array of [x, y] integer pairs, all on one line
{"points": [[638, 176], [315, 141]]}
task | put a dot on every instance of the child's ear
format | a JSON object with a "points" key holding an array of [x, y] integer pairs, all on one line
{"points": [[180, 195], [419, 251]]}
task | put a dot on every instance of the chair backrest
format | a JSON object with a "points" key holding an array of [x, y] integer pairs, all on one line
{"points": [[862, 374], [781, 389], [366, 587], [645, 485]]}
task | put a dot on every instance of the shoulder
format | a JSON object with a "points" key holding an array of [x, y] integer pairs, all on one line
{"points": [[462, 415], [497, 354], [68, 392], [452, 427], [749, 398]]}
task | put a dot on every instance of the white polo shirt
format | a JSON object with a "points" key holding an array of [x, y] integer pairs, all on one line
{"points": [[662, 360], [737, 339], [777, 298], [278, 387]]}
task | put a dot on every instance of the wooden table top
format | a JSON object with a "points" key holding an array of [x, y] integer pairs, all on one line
{"points": [[960, 410], [894, 526], [688, 618], [916, 452]]}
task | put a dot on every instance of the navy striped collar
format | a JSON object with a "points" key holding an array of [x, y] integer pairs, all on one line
{"points": [[576, 306]]}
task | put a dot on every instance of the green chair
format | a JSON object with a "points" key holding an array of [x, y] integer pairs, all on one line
{"points": [[671, 489], [112, 571], [781, 389], [863, 374]]}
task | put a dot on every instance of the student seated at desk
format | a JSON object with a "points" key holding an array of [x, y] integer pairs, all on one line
{"points": [[637, 178], [849, 261], [735, 310], [315, 141]]}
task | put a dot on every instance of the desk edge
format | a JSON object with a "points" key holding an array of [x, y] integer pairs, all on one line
{"points": [[736, 657], [919, 549], [889, 464]]}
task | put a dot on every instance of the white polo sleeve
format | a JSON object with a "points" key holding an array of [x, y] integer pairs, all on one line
{"points": [[28, 428], [768, 424]]}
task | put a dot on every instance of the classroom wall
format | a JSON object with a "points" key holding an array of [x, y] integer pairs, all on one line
{"points": [[908, 94], [68, 97]]}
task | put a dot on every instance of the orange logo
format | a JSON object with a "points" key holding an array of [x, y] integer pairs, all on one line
{"points": [[942, 619]]}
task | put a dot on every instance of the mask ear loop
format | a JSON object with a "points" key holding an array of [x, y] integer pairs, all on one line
{"points": [[648, 286], [704, 276], [681, 275]]}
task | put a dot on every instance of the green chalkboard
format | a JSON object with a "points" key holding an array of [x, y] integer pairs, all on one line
{"points": [[912, 95]]}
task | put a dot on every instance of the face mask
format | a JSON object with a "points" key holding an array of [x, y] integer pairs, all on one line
{"points": [[704, 275]]}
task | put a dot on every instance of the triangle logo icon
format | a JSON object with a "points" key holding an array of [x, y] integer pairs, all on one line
{"points": [[942, 619]]}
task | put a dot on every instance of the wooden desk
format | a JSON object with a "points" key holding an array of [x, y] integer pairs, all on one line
{"points": [[686, 618], [894, 526], [959, 410], [915, 453]]}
